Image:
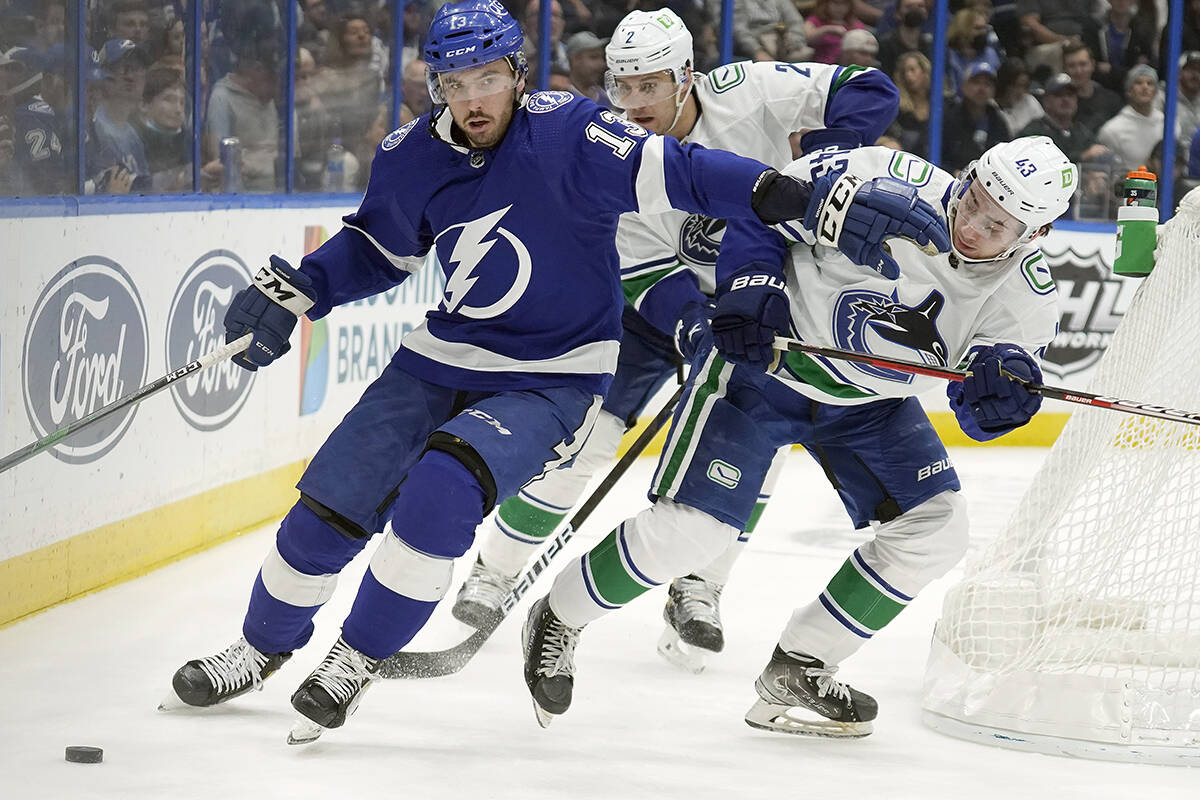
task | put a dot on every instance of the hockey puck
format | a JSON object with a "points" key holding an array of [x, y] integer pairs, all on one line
{"points": [[85, 755]]}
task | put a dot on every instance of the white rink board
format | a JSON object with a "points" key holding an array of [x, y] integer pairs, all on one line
{"points": [[91, 299], [131, 271]]}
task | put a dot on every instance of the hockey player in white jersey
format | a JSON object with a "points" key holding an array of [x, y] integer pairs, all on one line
{"points": [[989, 305], [667, 263]]}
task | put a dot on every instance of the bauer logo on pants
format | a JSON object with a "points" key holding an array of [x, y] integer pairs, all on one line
{"points": [[86, 346], [207, 399]]}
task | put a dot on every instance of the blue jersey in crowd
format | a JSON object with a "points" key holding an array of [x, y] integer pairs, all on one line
{"points": [[510, 227]]}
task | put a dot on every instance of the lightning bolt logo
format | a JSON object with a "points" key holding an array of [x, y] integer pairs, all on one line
{"points": [[472, 247]]}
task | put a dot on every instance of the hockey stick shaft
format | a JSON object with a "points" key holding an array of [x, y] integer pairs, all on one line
{"points": [[438, 663], [222, 353], [946, 373]]}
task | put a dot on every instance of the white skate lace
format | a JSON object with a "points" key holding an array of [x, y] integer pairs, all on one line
{"points": [[558, 649], [234, 666], [487, 586], [699, 600], [343, 672], [827, 685]]}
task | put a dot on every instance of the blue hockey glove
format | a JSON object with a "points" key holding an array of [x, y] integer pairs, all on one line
{"points": [[269, 308], [693, 331], [752, 307], [857, 216], [991, 399]]}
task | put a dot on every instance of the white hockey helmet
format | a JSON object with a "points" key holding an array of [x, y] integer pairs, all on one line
{"points": [[646, 42], [1029, 178]]}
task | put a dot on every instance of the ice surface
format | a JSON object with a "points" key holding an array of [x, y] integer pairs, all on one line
{"points": [[92, 672]]}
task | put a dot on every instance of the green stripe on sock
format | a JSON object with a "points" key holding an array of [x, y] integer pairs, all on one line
{"points": [[700, 394], [755, 515], [859, 598], [526, 518], [609, 576]]}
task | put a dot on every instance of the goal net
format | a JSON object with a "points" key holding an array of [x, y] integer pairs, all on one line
{"points": [[1077, 630]]}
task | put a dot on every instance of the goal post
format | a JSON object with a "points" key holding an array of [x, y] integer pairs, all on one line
{"points": [[1077, 630]]}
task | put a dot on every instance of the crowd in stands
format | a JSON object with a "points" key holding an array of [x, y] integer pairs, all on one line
{"points": [[1087, 73]]}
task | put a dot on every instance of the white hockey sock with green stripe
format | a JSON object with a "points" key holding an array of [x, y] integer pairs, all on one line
{"points": [[663, 542], [879, 579], [522, 523]]}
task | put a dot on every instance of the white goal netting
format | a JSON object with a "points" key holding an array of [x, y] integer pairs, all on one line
{"points": [[1077, 631]]}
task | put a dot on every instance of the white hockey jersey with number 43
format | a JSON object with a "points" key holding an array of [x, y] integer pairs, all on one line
{"points": [[933, 314], [750, 109]]}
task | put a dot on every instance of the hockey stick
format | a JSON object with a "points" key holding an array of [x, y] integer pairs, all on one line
{"points": [[947, 373], [438, 663], [222, 353]]}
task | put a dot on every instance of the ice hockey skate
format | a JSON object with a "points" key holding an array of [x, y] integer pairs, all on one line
{"points": [[332, 692], [798, 695], [693, 617], [549, 647], [214, 679], [479, 598]]}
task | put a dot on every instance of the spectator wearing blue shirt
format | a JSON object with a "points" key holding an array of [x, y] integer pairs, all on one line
{"points": [[123, 69], [968, 37]]}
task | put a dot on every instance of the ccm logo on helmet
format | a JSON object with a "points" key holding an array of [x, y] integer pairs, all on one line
{"points": [[462, 52]]}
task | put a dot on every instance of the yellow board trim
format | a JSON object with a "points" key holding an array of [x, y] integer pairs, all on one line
{"points": [[115, 553], [1042, 431], [123, 550]]}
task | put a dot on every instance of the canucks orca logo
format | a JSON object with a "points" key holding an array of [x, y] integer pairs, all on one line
{"points": [[476, 240], [862, 318], [700, 239]]}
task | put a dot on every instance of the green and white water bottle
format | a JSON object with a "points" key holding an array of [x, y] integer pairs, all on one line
{"points": [[1137, 224]]}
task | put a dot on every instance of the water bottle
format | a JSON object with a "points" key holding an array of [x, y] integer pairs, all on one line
{"points": [[335, 167], [231, 165], [1137, 225]]}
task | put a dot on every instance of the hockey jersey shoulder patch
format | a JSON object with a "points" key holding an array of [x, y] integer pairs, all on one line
{"points": [[397, 136], [545, 102], [722, 79], [1037, 272]]}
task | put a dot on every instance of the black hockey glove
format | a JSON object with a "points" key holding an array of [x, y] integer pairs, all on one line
{"points": [[269, 308]]}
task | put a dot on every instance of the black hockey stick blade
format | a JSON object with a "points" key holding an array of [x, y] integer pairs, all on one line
{"points": [[946, 373], [439, 663], [222, 353]]}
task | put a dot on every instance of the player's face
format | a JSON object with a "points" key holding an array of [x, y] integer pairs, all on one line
{"points": [[648, 100], [481, 101], [982, 229]]}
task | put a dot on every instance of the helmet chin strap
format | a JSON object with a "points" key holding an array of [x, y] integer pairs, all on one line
{"points": [[680, 102]]}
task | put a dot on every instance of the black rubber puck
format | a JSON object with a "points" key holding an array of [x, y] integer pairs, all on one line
{"points": [[85, 755]]}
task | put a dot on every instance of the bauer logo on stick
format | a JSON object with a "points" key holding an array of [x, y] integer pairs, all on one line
{"points": [[208, 400], [86, 345]]}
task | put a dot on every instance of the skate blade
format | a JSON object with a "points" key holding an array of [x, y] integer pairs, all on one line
{"points": [[681, 654], [544, 717], [304, 731], [785, 719]]}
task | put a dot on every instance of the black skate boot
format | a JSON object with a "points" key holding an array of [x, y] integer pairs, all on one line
{"points": [[208, 681], [799, 695], [332, 692], [549, 647], [479, 598], [693, 617]]}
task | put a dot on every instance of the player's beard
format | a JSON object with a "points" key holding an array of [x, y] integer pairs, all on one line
{"points": [[491, 135]]}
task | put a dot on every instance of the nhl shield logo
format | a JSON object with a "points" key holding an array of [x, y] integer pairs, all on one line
{"points": [[1092, 302]]}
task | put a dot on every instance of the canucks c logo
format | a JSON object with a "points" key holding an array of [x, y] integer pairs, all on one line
{"points": [[503, 280], [700, 240], [868, 322]]}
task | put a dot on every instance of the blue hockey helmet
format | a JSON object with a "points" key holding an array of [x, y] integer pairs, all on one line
{"points": [[471, 33]]}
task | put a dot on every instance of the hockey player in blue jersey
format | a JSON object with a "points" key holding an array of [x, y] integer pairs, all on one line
{"points": [[518, 196], [667, 263], [988, 304]]}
